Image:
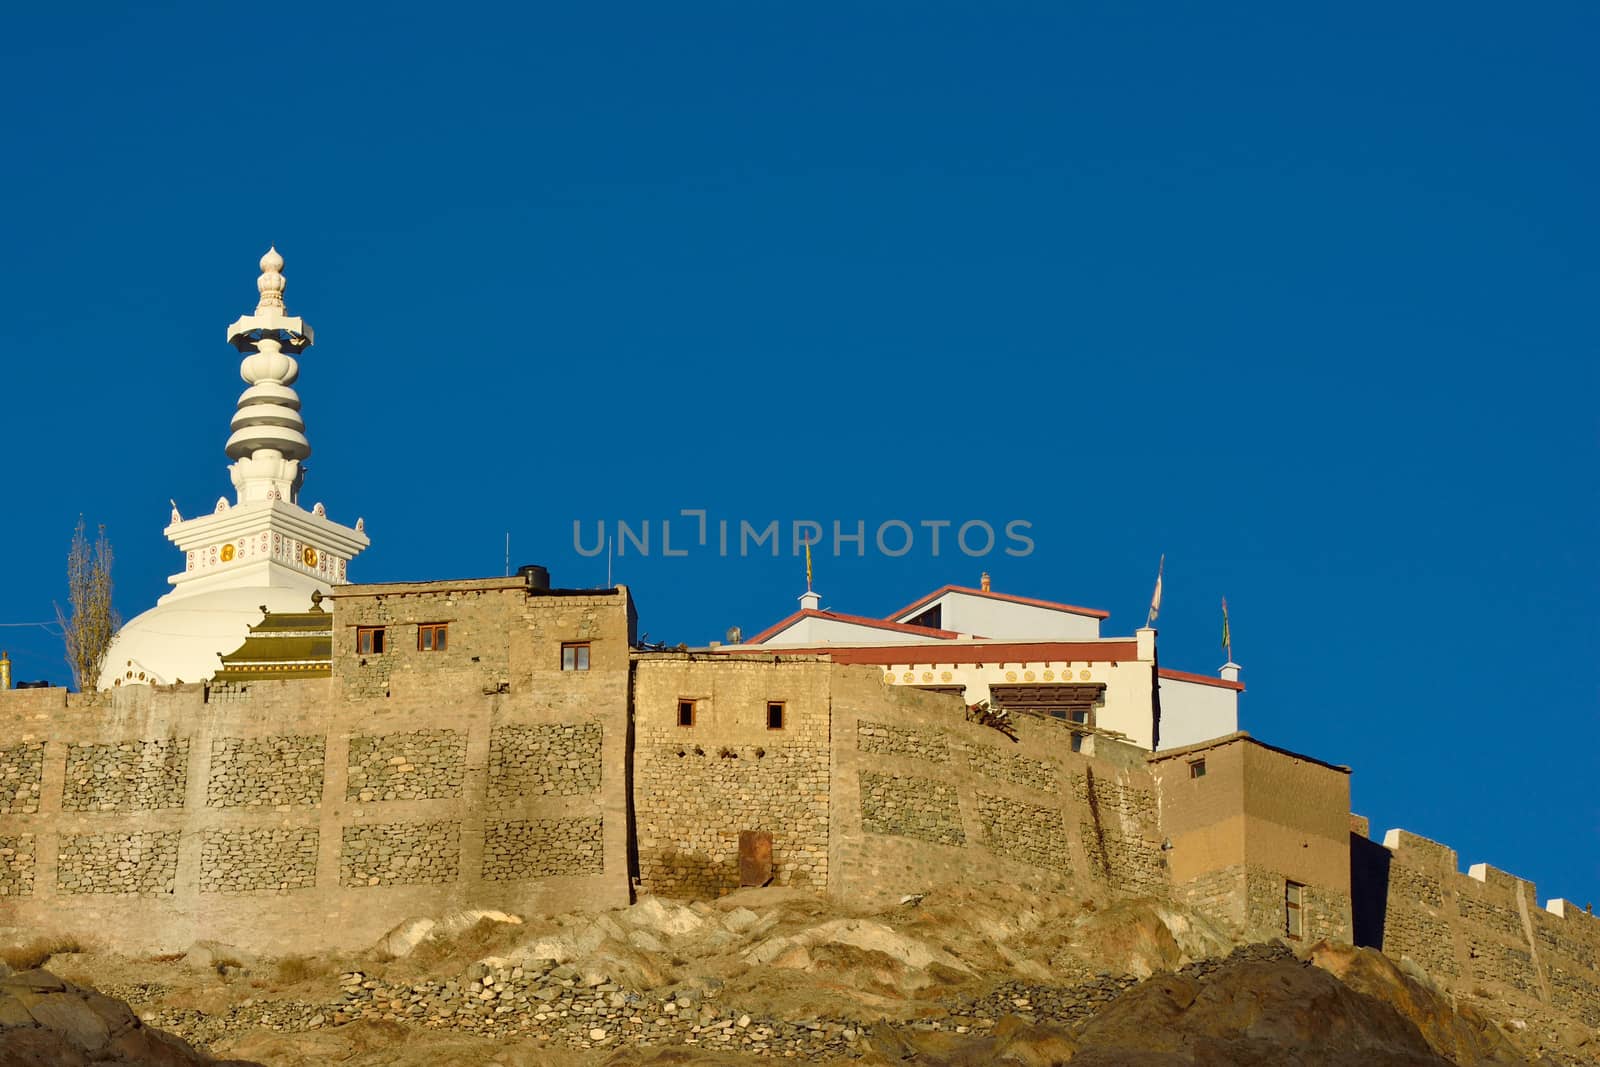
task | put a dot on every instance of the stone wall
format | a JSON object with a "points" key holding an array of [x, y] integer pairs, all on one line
{"points": [[1483, 932], [541, 848], [315, 814], [926, 809], [555, 760], [266, 771], [276, 858], [144, 863], [17, 858], [21, 773], [418, 765], [921, 796], [400, 853], [127, 775]]}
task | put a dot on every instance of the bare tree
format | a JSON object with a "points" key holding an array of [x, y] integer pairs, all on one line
{"points": [[93, 621]]}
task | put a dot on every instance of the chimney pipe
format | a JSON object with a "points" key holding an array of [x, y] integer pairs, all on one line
{"points": [[983, 583]]}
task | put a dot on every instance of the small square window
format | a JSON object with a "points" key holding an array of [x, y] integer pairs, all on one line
{"points": [[369, 640], [1197, 769], [575, 656], [431, 637], [774, 714], [685, 713], [1080, 716]]}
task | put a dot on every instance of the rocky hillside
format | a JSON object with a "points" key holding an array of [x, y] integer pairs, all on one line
{"points": [[973, 976]]}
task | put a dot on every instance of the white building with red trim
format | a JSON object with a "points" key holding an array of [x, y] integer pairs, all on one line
{"points": [[1026, 655]]}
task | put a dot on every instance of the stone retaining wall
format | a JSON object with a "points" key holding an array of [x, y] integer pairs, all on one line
{"points": [[17, 856], [127, 775], [21, 773], [266, 771], [419, 765], [400, 854], [927, 809], [556, 760], [239, 861], [543, 848], [141, 863]]}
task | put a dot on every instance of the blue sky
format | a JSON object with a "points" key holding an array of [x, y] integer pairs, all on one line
{"points": [[1305, 300]]}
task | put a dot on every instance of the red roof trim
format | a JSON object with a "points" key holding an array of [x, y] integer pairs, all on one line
{"points": [[1202, 679], [854, 620], [1072, 609], [971, 652]]}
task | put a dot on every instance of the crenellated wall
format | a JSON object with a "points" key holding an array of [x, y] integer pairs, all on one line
{"points": [[1482, 931]]}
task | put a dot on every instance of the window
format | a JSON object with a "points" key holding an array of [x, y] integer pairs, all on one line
{"points": [[685, 713], [1077, 742], [1197, 769], [1293, 924], [575, 656], [369, 640], [430, 637], [774, 714]]}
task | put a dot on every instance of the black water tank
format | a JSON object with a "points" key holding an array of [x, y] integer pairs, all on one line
{"points": [[536, 576]]}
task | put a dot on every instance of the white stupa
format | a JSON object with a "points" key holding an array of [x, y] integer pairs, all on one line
{"points": [[261, 553]]}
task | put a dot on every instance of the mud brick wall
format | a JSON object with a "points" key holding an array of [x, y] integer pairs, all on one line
{"points": [[697, 787], [266, 771], [1024, 831], [400, 854], [927, 809], [238, 861], [127, 775], [21, 773], [17, 855], [420, 765], [883, 739], [542, 848], [118, 863], [556, 759]]}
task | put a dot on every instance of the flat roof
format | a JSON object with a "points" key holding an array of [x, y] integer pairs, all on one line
{"points": [[1233, 738]]}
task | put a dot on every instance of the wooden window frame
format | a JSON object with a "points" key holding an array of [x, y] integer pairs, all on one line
{"points": [[783, 714], [1197, 768], [371, 640], [576, 647], [686, 704], [433, 636], [1294, 910]]}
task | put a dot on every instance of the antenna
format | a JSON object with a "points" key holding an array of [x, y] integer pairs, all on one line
{"points": [[608, 563], [508, 553]]}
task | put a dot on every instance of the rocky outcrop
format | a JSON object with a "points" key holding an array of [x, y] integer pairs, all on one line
{"points": [[46, 1021]]}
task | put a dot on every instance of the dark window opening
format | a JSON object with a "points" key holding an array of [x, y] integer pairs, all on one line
{"points": [[369, 640], [1197, 769], [774, 715], [932, 618], [685, 713]]}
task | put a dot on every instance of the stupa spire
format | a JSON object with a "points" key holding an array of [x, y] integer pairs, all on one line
{"points": [[268, 441]]}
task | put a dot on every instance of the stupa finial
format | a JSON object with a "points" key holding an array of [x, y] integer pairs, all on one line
{"points": [[271, 282]]}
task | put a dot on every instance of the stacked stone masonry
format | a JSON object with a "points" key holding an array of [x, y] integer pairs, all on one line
{"points": [[908, 806], [127, 775], [1012, 767], [699, 799], [240, 861], [21, 775], [265, 772], [421, 765], [1024, 832], [400, 854], [1111, 800], [141, 863], [883, 739], [542, 848], [17, 857], [555, 760], [1128, 861]]}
